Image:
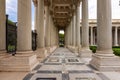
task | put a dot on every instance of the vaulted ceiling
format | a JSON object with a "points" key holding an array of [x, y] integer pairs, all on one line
{"points": [[61, 10]]}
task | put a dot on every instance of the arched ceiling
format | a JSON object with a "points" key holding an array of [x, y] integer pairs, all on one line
{"points": [[61, 10]]}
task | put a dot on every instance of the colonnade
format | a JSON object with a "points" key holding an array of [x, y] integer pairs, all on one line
{"points": [[104, 36], [47, 35]]}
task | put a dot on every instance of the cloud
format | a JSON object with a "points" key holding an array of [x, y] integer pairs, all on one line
{"points": [[115, 9], [93, 9], [11, 9]]}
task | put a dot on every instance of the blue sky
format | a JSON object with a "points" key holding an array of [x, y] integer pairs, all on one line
{"points": [[11, 10]]}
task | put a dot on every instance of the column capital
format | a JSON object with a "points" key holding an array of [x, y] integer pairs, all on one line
{"points": [[46, 2]]}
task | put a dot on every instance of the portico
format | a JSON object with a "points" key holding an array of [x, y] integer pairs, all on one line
{"points": [[52, 16]]}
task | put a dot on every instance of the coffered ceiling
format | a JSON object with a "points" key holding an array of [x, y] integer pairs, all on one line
{"points": [[61, 10]]}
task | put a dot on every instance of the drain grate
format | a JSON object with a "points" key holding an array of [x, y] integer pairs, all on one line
{"points": [[85, 78], [53, 60], [46, 79], [73, 60]]}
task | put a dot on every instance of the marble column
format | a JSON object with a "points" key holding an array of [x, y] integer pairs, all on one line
{"points": [[74, 30], [24, 26], [104, 28], [47, 26], [104, 59], [71, 33], [85, 24], [2, 26], [85, 51], [91, 36], [41, 27], [52, 33], [78, 26], [116, 37], [66, 35]]}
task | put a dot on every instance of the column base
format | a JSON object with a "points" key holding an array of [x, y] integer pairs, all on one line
{"points": [[41, 53], [48, 50], [116, 45], [85, 52], [2, 51], [19, 62], [105, 63], [53, 48], [73, 49]]}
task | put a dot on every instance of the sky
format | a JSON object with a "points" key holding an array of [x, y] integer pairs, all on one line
{"points": [[11, 10]]}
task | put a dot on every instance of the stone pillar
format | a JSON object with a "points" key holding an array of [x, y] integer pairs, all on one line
{"points": [[24, 60], [71, 33], [85, 51], [104, 59], [24, 26], [116, 37], [2, 26], [94, 36], [41, 27], [78, 26], [85, 24], [47, 26], [74, 30], [91, 36]]}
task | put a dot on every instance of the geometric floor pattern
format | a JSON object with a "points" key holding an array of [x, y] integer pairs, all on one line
{"points": [[64, 65]]}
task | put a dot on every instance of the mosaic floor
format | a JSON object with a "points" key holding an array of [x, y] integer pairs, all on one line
{"points": [[64, 65]]}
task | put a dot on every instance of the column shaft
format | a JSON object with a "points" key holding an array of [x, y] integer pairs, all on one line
{"points": [[74, 30], [85, 24], [24, 26], [104, 28], [91, 36], [2, 26], [78, 26], [71, 33], [116, 37], [47, 26], [41, 27]]}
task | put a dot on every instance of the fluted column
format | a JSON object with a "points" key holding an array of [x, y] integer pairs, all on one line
{"points": [[2, 26], [24, 26], [91, 35], [116, 37], [85, 24], [41, 27], [78, 26]]}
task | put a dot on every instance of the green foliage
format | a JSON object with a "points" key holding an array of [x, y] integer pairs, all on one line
{"points": [[93, 48], [11, 48], [116, 50], [61, 35], [10, 22], [61, 40]]}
